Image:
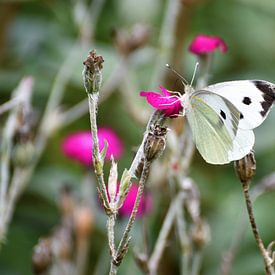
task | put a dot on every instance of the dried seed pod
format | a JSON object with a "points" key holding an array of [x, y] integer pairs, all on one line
{"points": [[92, 75], [200, 233], [155, 143], [246, 167]]}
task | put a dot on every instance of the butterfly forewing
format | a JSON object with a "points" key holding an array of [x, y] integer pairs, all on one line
{"points": [[211, 136], [224, 109], [253, 99]]}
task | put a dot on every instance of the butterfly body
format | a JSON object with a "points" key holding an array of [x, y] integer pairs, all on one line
{"points": [[222, 116]]}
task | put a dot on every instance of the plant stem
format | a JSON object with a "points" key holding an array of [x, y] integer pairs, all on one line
{"points": [[124, 242], [163, 236], [185, 244], [267, 260], [111, 234], [97, 158], [156, 118], [8, 105]]}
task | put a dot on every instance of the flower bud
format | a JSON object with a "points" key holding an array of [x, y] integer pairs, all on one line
{"points": [[42, 256], [155, 142], [92, 75], [112, 182], [124, 187], [200, 233], [246, 167]]}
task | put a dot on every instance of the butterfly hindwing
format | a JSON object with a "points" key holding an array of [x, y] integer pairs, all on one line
{"points": [[212, 138], [242, 144], [253, 99]]}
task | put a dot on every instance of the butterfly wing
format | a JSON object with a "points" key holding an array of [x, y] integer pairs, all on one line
{"points": [[253, 99], [214, 123]]}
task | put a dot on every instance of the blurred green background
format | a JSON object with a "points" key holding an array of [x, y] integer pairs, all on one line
{"points": [[35, 39]]}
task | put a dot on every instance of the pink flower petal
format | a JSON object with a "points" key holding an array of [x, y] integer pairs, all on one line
{"points": [[145, 205], [78, 146], [204, 44], [170, 104]]}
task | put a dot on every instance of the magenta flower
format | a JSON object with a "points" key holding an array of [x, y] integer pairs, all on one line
{"points": [[169, 103], [78, 146], [204, 44], [145, 204]]}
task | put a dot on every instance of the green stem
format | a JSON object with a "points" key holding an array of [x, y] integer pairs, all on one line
{"points": [[97, 158]]}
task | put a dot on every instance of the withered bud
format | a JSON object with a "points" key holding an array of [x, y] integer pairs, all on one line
{"points": [[83, 221], [200, 233], [155, 142], [42, 256], [124, 188], [92, 75], [246, 167], [129, 41], [112, 182]]}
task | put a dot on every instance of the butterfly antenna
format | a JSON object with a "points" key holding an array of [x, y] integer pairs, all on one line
{"points": [[194, 73], [185, 82]]}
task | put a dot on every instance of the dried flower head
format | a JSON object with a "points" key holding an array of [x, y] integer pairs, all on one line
{"points": [[155, 142], [204, 44], [78, 146], [166, 101], [246, 167], [92, 75]]}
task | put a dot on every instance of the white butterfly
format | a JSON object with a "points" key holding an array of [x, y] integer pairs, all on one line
{"points": [[222, 116]]}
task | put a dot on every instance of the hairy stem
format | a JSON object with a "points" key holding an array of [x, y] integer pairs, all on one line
{"points": [[97, 158], [267, 260], [124, 242], [163, 236]]}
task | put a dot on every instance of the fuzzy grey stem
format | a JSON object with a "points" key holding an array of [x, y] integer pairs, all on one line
{"points": [[8, 105], [111, 234], [163, 236], [97, 159], [183, 236], [123, 245], [267, 259], [113, 269]]}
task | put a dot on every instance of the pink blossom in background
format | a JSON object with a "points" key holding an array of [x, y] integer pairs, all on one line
{"points": [[165, 101], [145, 204], [78, 146], [204, 44]]}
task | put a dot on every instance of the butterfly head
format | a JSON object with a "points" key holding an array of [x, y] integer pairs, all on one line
{"points": [[187, 87]]}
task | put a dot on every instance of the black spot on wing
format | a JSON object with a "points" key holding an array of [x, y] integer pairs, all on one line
{"points": [[223, 115], [246, 100], [241, 116], [268, 91]]}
